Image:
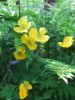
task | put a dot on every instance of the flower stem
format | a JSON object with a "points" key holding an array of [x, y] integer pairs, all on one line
{"points": [[19, 7]]}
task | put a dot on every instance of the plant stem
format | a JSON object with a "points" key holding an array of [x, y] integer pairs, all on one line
{"points": [[19, 9]]}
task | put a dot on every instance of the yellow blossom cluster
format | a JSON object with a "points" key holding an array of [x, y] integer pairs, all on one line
{"points": [[23, 89], [29, 37]]}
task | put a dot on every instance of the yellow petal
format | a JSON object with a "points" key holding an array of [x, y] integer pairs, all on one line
{"points": [[43, 38], [42, 31], [67, 42], [29, 25], [21, 53], [68, 38], [24, 38], [32, 46], [19, 29], [26, 26], [22, 49], [21, 86], [28, 85], [31, 40], [60, 44], [19, 56], [33, 33], [23, 92], [22, 21]]}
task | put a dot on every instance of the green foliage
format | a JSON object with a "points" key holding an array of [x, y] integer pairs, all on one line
{"points": [[50, 69], [7, 91], [62, 70]]}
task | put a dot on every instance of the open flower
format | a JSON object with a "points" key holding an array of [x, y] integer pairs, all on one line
{"points": [[21, 53], [67, 42], [23, 25], [23, 89], [39, 36], [29, 41]]}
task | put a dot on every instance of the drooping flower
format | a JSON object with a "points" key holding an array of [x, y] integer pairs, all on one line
{"points": [[39, 36], [29, 41], [23, 92], [67, 42], [23, 89], [23, 25], [21, 53]]}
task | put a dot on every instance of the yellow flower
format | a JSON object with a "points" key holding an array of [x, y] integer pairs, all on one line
{"points": [[39, 36], [21, 53], [28, 85], [67, 42], [29, 41], [23, 89], [23, 92], [23, 25]]}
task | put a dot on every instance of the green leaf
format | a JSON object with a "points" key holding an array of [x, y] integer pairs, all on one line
{"points": [[63, 71], [7, 91]]}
